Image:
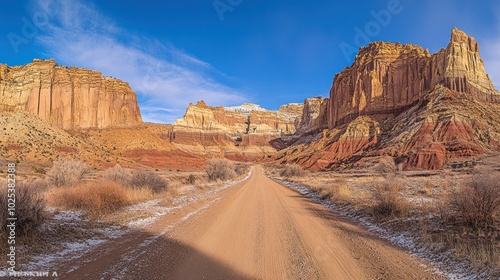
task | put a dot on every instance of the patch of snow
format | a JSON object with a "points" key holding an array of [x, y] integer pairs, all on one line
{"points": [[245, 108], [70, 251], [68, 216]]}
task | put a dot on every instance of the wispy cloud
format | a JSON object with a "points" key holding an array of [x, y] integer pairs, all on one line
{"points": [[166, 78]]}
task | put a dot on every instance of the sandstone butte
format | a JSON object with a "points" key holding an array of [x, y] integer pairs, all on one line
{"points": [[400, 103], [70, 98]]}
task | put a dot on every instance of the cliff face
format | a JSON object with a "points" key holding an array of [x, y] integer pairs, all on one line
{"points": [[314, 116], [240, 132], [70, 98], [244, 119], [422, 110], [389, 78]]}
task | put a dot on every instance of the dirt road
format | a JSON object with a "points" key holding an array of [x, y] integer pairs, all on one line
{"points": [[257, 229]]}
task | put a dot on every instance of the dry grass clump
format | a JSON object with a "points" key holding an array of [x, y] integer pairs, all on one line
{"points": [[96, 197], [220, 169], [478, 202], [67, 172], [147, 179], [29, 209], [241, 169], [389, 203], [386, 167], [292, 170], [467, 223], [118, 174]]}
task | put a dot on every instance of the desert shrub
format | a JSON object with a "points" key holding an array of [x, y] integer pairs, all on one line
{"points": [[220, 169], [241, 169], [478, 202], [67, 172], [118, 174], [96, 197], [136, 195], [388, 201], [292, 170], [342, 193], [39, 170], [150, 180], [29, 209], [386, 167], [191, 179]]}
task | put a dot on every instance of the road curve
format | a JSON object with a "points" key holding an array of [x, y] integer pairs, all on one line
{"points": [[257, 229]]}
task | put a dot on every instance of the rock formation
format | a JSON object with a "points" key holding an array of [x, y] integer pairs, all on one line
{"points": [[389, 78], [231, 128], [70, 98], [400, 101], [314, 116]]}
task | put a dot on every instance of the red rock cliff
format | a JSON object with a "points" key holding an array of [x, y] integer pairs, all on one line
{"points": [[389, 78], [70, 98]]}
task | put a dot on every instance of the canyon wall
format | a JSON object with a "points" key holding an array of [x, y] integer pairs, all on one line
{"points": [[389, 78], [244, 119], [314, 116], [400, 103], [233, 131], [68, 97]]}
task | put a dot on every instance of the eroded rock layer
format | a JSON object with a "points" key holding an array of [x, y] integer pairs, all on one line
{"points": [[68, 97], [389, 78], [247, 129], [401, 103]]}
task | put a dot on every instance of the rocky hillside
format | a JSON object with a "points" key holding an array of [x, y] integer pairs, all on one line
{"points": [[396, 101], [68, 97]]}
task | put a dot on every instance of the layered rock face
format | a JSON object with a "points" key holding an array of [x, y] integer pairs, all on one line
{"points": [[244, 119], [396, 101], [389, 78], [314, 115], [222, 130], [70, 98]]}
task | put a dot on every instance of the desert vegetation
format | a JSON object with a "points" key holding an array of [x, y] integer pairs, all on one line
{"points": [[67, 172], [30, 209], [224, 170], [292, 170]]}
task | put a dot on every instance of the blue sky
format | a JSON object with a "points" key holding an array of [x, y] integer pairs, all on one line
{"points": [[227, 52]]}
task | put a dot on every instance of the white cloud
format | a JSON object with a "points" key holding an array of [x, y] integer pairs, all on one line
{"points": [[78, 34]]}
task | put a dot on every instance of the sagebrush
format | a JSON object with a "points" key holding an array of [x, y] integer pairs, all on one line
{"points": [[29, 209], [118, 174], [478, 202], [292, 170], [220, 169], [67, 172], [388, 201], [95, 197], [150, 180]]}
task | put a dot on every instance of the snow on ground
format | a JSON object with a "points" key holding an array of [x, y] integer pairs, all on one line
{"points": [[443, 263]]}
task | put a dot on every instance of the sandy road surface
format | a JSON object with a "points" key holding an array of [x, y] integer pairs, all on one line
{"points": [[257, 229]]}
